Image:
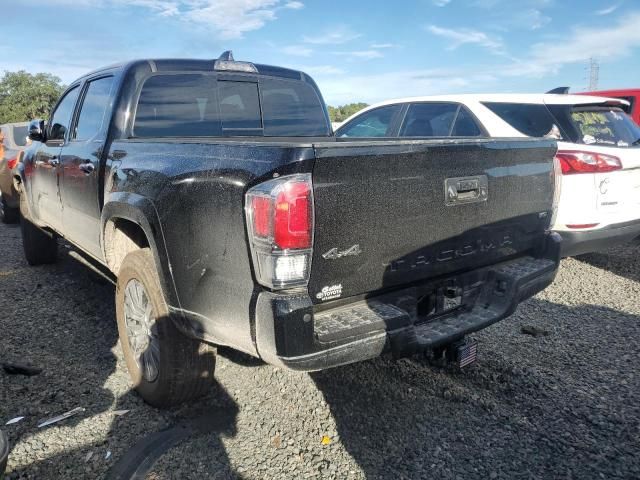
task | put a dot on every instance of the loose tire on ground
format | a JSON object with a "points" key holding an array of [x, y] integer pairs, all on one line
{"points": [[39, 247], [8, 214], [185, 366]]}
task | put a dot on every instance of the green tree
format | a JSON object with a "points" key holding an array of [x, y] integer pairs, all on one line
{"points": [[341, 113], [24, 96]]}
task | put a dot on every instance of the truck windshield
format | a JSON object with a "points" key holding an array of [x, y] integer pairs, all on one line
{"points": [[605, 126]]}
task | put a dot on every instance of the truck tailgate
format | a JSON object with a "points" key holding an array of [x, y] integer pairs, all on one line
{"points": [[390, 213]]}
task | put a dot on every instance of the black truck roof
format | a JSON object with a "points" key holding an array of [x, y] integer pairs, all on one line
{"points": [[203, 65]]}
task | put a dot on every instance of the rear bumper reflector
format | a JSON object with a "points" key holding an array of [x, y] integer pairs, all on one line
{"points": [[582, 225]]}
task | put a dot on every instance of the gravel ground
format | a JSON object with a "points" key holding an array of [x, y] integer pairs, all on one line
{"points": [[561, 405]]}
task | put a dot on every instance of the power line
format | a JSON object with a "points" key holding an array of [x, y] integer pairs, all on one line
{"points": [[594, 74]]}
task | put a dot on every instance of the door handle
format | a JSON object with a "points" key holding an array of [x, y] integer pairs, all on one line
{"points": [[462, 190], [87, 168], [54, 161]]}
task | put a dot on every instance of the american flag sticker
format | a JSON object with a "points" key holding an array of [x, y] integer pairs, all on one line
{"points": [[467, 353]]}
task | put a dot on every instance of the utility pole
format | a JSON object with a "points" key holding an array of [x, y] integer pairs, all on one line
{"points": [[594, 73]]}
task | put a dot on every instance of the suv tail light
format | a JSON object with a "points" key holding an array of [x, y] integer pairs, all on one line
{"points": [[557, 188], [12, 162], [573, 162], [280, 226]]}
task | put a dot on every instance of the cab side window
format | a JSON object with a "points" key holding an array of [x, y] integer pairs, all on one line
{"points": [[61, 117], [94, 108], [375, 123]]}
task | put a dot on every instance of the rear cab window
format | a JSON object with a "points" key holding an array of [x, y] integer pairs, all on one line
{"points": [[287, 103], [239, 104], [208, 105]]}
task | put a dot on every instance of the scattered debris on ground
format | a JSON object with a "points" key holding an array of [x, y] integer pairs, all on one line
{"points": [[533, 331], [15, 369], [566, 405]]}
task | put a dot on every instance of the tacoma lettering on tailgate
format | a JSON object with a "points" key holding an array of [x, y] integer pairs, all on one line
{"points": [[478, 247]]}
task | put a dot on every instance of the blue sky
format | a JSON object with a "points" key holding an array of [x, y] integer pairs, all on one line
{"points": [[364, 50]]}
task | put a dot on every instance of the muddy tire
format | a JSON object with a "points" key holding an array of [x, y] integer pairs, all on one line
{"points": [[39, 246], [166, 367]]}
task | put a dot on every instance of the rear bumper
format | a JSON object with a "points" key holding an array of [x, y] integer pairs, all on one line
{"points": [[579, 242], [290, 333]]}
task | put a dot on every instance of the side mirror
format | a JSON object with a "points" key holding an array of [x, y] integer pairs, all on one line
{"points": [[36, 130]]}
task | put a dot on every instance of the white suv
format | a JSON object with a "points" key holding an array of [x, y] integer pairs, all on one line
{"points": [[598, 150]]}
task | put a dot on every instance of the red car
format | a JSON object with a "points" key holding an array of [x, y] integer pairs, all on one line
{"points": [[632, 95]]}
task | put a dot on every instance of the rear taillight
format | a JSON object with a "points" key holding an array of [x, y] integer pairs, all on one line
{"points": [[280, 226], [12, 162], [573, 162]]}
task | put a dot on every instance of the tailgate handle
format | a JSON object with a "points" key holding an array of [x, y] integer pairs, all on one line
{"points": [[461, 190]]}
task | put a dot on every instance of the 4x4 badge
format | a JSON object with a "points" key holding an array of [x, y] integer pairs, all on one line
{"points": [[335, 254]]}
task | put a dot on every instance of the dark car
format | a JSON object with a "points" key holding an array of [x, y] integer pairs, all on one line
{"points": [[215, 194], [13, 139]]}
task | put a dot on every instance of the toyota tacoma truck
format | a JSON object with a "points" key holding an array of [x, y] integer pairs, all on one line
{"points": [[217, 197]]}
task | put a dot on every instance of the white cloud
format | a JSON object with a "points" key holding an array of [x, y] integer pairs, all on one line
{"points": [[614, 41], [297, 50], [608, 10], [533, 19], [382, 45], [227, 19], [441, 3], [371, 88], [491, 4], [294, 5], [365, 54], [465, 36], [541, 61], [335, 36]]}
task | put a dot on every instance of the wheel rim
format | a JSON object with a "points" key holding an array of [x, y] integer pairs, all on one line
{"points": [[140, 323]]}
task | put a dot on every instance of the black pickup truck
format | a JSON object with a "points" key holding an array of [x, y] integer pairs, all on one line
{"points": [[228, 214]]}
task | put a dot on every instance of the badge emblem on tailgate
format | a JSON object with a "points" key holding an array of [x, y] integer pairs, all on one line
{"points": [[461, 190]]}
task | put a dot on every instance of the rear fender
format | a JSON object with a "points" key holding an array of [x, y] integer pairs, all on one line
{"points": [[142, 212]]}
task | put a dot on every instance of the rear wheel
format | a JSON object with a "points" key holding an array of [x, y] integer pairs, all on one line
{"points": [[8, 214], [39, 246], [167, 367]]}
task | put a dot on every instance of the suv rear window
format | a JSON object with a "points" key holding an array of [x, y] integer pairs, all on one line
{"points": [[531, 119], [605, 126], [200, 105]]}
